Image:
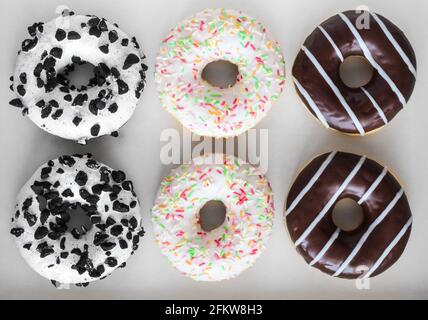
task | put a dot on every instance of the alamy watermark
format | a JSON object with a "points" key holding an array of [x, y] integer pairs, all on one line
{"points": [[363, 20], [182, 147]]}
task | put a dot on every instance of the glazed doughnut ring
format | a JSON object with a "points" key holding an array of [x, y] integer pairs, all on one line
{"points": [[366, 251], [219, 35], [69, 251], [79, 114], [365, 108], [225, 251]]}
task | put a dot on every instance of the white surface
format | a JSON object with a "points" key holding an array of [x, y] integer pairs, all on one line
{"points": [[294, 138]]}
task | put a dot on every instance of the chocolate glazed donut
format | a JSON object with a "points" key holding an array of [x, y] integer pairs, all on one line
{"points": [[380, 239], [367, 108]]}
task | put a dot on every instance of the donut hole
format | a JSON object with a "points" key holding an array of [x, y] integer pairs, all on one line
{"points": [[78, 75], [356, 71], [347, 215], [77, 220], [212, 215], [221, 74]]}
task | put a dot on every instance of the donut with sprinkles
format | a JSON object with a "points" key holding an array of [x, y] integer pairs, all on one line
{"points": [[225, 251], [219, 35], [360, 110], [46, 95], [376, 244], [77, 220]]}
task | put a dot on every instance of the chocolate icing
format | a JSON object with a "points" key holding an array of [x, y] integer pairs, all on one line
{"points": [[384, 54], [301, 214]]}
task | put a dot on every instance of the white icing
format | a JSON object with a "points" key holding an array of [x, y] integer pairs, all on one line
{"points": [[326, 247], [311, 182], [372, 61], [373, 187], [311, 103], [62, 272], [395, 44], [375, 105], [339, 54], [333, 44], [370, 229], [331, 202], [87, 48], [335, 90], [230, 249], [388, 249], [211, 35]]}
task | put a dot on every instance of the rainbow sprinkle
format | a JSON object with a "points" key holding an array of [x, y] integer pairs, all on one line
{"points": [[231, 248], [211, 35]]}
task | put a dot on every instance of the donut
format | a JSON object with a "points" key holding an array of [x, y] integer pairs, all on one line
{"points": [[355, 111], [219, 35], [45, 94], [85, 250], [372, 247], [226, 251]]}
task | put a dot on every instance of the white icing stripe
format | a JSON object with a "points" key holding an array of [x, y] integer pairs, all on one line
{"points": [[395, 44], [311, 102], [370, 229], [389, 248], [375, 105], [370, 58], [310, 183], [334, 89], [330, 203], [339, 54], [326, 247], [336, 233], [373, 186]]}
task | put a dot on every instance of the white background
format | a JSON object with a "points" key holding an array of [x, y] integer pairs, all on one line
{"points": [[294, 138]]}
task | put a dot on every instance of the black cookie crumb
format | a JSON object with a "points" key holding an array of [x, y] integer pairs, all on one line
{"points": [[95, 130]]}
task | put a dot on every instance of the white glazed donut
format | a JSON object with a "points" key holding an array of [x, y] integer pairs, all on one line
{"points": [[54, 105], [45, 207], [213, 35], [228, 250]]}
